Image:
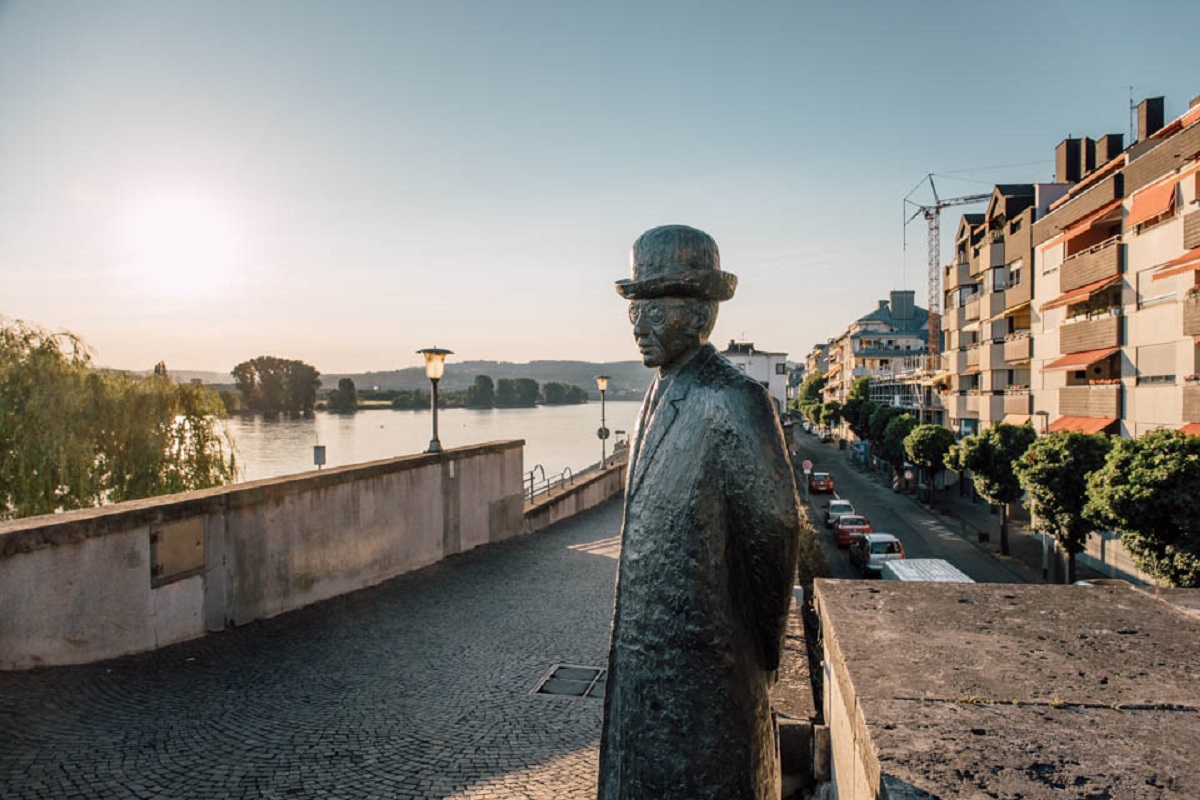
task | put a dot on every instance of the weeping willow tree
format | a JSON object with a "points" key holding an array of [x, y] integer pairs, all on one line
{"points": [[74, 437]]}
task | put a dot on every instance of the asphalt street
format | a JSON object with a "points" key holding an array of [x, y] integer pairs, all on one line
{"points": [[923, 534]]}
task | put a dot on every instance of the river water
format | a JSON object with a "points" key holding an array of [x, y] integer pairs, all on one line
{"points": [[556, 437]]}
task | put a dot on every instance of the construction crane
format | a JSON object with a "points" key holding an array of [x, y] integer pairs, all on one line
{"points": [[932, 214]]}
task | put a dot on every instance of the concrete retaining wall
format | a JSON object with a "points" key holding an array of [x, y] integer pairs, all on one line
{"points": [[589, 490], [99, 583]]}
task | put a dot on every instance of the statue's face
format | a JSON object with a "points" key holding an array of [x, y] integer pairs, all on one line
{"points": [[666, 329]]}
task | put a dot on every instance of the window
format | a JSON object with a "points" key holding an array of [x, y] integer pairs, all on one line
{"points": [[1151, 292], [1156, 363], [1014, 272], [1015, 226], [781, 369]]}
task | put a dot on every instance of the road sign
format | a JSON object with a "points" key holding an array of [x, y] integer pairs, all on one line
{"points": [[908, 474], [602, 433], [806, 465]]}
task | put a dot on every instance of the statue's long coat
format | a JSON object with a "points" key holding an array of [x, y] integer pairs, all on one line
{"points": [[708, 552]]}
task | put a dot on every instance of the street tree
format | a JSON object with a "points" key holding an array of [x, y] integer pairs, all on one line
{"points": [[990, 456], [1149, 490], [878, 422], [857, 413], [897, 430], [810, 389], [860, 389], [1054, 472], [926, 446], [831, 414], [73, 437]]}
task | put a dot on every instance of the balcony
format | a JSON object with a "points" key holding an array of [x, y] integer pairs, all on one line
{"points": [[1018, 347], [991, 356], [1191, 316], [1191, 231], [956, 405], [972, 355], [972, 404], [1016, 295], [971, 309], [991, 305], [1018, 401], [1191, 402], [954, 361], [1092, 334], [1090, 401], [1092, 264], [958, 273]]}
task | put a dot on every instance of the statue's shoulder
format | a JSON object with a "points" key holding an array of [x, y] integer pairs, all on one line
{"points": [[730, 385]]}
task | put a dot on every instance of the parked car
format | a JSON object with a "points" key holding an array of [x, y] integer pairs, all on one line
{"points": [[826, 436], [834, 509], [820, 482], [850, 527], [873, 549]]}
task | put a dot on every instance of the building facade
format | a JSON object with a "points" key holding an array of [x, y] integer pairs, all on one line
{"points": [[769, 369]]}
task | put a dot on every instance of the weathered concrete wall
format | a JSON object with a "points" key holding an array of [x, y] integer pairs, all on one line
{"points": [[83, 586], [588, 491]]}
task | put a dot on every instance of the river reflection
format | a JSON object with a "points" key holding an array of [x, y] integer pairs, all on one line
{"points": [[556, 437]]}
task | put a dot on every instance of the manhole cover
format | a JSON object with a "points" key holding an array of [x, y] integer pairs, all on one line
{"points": [[571, 680]]}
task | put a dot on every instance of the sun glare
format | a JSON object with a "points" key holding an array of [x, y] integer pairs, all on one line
{"points": [[181, 245]]}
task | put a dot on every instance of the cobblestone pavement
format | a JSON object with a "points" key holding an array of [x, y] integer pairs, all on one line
{"points": [[417, 688]]}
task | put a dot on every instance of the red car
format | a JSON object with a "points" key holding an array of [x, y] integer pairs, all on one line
{"points": [[849, 527], [820, 482]]}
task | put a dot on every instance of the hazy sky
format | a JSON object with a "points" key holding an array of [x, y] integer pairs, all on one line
{"points": [[344, 183]]}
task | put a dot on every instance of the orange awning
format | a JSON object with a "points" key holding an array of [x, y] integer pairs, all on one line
{"points": [[1080, 360], [1081, 424], [971, 370], [1191, 429], [1152, 201], [1082, 293], [834, 370], [1185, 263], [1080, 225]]}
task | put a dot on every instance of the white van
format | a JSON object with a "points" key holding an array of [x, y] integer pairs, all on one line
{"points": [[932, 570]]}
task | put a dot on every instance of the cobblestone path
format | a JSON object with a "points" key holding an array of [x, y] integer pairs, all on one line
{"points": [[417, 688]]}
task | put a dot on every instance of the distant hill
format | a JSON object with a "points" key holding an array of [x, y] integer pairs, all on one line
{"points": [[627, 379]]}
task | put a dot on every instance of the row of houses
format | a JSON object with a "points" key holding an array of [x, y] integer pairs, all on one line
{"points": [[1070, 305]]}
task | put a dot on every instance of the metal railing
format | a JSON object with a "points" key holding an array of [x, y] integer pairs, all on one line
{"points": [[534, 486]]}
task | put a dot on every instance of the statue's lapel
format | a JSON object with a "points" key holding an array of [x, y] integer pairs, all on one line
{"points": [[662, 417]]}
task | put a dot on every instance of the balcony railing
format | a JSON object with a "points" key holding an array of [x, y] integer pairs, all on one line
{"points": [[971, 307], [1087, 266], [1092, 334], [1191, 402], [1018, 401], [1191, 315], [973, 355], [1018, 347], [1015, 295], [1090, 401]]}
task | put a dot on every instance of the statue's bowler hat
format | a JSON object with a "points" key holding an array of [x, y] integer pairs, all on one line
{"points": [[677, 261]]}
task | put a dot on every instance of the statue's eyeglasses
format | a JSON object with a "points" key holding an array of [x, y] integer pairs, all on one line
{"points": [[655, 311]]}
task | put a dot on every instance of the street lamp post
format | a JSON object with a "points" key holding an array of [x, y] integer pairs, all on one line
{"points": [[602, 385], [435, 365]]}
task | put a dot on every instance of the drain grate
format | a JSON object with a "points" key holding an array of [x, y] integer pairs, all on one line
{"points": [[572, 680]]}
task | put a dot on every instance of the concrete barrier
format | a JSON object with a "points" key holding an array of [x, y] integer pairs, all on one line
{"points": [[98, 583], [590, 489]]}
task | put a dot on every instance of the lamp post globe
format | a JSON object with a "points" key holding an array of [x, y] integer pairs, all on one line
{"points": [[602, 385], [435, 365]]}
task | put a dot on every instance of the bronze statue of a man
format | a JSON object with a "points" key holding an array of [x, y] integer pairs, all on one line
{"points": [[708, 550]]}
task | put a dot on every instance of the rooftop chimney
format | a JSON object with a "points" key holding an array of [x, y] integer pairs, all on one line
{"points": [[1150, 117], [1066, 161], [1108, 147], [1087, 156], [883, 304], [902, 304]]}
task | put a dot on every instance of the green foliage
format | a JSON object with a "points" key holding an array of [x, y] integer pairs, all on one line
{"points": [[516, 393], [558, 394], [344, 397], [1054, 472], [481, 394], [860, 389], [273, 385], [72, 437], [990, 457], [1149, 490], [812, 412], [878, 422], [926, 446], [897, 430], [810, 389], [831, 414], [414, 400], [857, 413]]}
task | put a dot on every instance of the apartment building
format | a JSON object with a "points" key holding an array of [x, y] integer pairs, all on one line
{"points": [[817, 360], [1114, 313], [887, 345], [988, 289], [769, 369]]}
